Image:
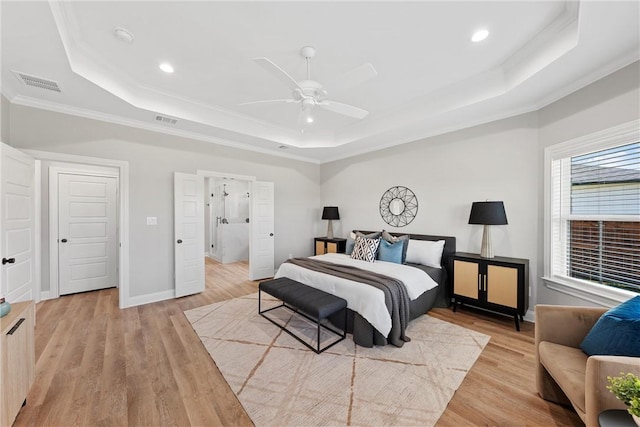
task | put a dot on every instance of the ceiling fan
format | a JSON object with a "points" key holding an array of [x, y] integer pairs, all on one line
{"points": [[309, 93]]}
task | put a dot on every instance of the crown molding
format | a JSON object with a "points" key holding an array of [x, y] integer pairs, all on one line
{"points": [[594, 76], [419, 136], [111, 118]]}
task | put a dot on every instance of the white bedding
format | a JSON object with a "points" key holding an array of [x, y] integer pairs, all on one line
{"points": [[364, 299]]}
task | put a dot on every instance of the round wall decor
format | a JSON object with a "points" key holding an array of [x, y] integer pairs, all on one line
{"points": [[398, 206]]}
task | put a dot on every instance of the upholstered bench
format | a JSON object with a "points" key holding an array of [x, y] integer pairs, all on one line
{"points": [[311, 303]]}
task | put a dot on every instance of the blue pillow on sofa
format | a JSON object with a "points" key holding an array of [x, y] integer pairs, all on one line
{"points": [[390, 252], [617, 332]]}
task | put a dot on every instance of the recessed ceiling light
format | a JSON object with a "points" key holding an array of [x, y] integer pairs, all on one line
{"points": [[166, 67], [479, 35]]}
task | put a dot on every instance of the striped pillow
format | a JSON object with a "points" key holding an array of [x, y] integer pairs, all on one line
{"points": [[365, 249]]}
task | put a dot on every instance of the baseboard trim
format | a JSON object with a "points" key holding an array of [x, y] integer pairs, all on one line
{"points": [[150, 298], [530, 316], [46, 295]]}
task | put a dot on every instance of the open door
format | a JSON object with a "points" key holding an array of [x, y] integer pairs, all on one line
{"points": [[188, 233], [17, 225], [261, 247]]}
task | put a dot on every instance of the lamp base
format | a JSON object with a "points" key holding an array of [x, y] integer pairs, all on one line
{"points": [[486, 251], [330, 230]]}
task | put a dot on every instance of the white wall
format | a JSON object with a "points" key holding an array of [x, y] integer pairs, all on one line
{"points": [[152, 160], [608, 102], [496, 161], [4, 119]]}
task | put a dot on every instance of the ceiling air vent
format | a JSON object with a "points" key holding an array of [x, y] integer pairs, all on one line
{"points": [[166, 120], [38, 82]]}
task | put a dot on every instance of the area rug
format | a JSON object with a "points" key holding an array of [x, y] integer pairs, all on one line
{"points": [[280, 382]]}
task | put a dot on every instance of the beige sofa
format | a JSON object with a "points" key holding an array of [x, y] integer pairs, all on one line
{"points": [[565, 374]]}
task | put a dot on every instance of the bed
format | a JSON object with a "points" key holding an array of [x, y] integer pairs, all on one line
{"points": [[368, 317]]}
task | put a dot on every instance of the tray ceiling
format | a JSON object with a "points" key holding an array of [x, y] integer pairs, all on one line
{"points": [[431, 77]]}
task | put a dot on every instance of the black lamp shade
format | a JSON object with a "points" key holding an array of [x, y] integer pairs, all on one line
{"points": [[488, 213], [330, 212]]}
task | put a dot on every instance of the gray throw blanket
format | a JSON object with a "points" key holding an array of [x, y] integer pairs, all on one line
{"points": [[396, 297]]}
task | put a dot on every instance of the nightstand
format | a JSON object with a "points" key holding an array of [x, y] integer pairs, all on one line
{"points": [[497, 284], [324, 245]]}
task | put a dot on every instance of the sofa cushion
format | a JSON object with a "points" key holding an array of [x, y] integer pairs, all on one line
{"points": [[617, 332], [567, 366]]}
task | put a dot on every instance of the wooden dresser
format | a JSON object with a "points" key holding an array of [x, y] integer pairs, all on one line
{"points": [[18, 358]]}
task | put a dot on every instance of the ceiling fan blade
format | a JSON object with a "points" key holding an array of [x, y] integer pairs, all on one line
{"points": [[269, 101], [351, 79], [278, 72], [344, 109]]}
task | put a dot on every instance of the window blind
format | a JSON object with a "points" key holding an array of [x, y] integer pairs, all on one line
{"points": [[596, 216]]}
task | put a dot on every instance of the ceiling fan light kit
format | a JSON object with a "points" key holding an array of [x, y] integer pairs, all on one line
{"points": [[124, 35], [310, 93]]}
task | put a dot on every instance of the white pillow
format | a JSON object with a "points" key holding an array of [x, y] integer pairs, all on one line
{"points": [[425, 252]]}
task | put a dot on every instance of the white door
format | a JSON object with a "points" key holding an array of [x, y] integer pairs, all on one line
{"points": [[188, 233], [17, 222], [87, 233], [261, 248]]}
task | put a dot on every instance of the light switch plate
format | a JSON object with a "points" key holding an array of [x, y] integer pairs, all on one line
{"points": [[152, 220]]}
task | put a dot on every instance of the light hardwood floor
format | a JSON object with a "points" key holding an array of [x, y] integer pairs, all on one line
{"points": [[144, 366]]}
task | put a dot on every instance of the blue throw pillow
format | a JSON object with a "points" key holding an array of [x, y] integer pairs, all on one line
{"points": [[350, 244], [617, 332], [390, 252]]}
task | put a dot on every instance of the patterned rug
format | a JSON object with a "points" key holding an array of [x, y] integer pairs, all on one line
{"points": [[280, 382]]}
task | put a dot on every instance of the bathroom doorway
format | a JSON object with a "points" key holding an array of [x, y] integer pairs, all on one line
{"points": [[227, 219]]}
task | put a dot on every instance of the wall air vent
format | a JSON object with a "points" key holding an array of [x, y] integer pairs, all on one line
{"points": [[166, 120], [38, 82]]}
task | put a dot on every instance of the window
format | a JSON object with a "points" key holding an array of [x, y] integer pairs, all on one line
{"points": [[593, 214]]}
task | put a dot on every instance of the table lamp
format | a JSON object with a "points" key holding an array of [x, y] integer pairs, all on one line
{"points": [[330, 213], [487, 213]]}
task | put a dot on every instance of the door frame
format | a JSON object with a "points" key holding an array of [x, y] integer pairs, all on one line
{"points": [[54, 210], [123, 211]]}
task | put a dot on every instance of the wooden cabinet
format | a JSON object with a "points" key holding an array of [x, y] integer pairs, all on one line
{"points": [[498, 284], [324, 245], [18, 359]]}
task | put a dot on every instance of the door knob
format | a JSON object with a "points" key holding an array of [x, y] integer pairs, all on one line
{"points": [[8, 261], [64, 240], [179, 240], [271, 234]]}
